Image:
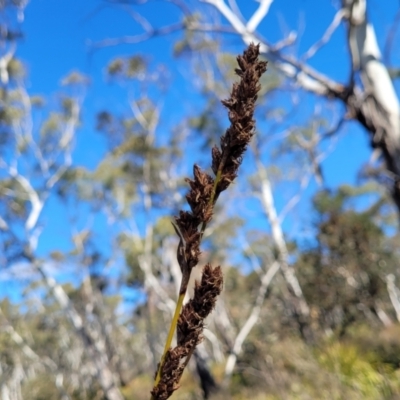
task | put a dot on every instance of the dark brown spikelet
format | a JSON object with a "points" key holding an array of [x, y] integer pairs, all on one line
{"points": [[200, 194], [190, 329], [240, 105], [204, 189], [206, 293], [190, 323]]}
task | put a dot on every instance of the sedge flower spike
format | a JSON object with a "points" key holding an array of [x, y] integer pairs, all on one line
{"points": [[204, 191]]}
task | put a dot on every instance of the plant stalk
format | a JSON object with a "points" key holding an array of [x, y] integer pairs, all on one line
{"points": [[181, 297]]}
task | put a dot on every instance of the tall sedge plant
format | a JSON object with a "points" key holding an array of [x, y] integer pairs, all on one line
{"points": [[204, 191]]}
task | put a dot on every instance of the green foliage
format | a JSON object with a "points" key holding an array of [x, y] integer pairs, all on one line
{"points": [[37, 101], [127, 68], [343, 276], [193, 42], [75, 78], [15, 69], [15, 204], [353, 369], [51, 126]]}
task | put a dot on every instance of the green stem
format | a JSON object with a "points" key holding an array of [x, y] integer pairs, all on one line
{"points": [[170, 336]]}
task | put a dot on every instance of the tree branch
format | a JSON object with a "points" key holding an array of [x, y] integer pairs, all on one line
{"points": [[304, 75], [259, 15], [327, 35], [250, 322], [394, 294]]}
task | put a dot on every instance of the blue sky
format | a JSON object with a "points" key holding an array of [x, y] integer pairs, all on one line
{"points": [[57, 37], [58, 33]]}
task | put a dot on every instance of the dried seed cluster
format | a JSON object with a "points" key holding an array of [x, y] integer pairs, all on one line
{"points": [[241, 104], [190, 225], [204, 189], [190, 328]]}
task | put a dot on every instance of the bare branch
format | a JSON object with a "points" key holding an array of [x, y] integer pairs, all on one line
{"points": [[4, 61], [165, 30], [3, 225], [278, 237], [157, 32], [304, 75], [327, 35], [69, 131], [36, 202], [151, 282], [215, 343], [224, 324], [287, 41], [394, 294], [27, 129], [335, 129], [235, 8], [251, 320], [139, 18], [305, 180], [259, 15], [382, 315]]}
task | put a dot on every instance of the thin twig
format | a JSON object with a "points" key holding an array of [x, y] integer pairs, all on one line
{"points": [[342, 13]]}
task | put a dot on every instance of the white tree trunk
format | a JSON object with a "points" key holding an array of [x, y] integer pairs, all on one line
{"points": [[377, 105], [279, 240]]}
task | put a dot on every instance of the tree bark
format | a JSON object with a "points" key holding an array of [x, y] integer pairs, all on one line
{"points": [[376, 107]]}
